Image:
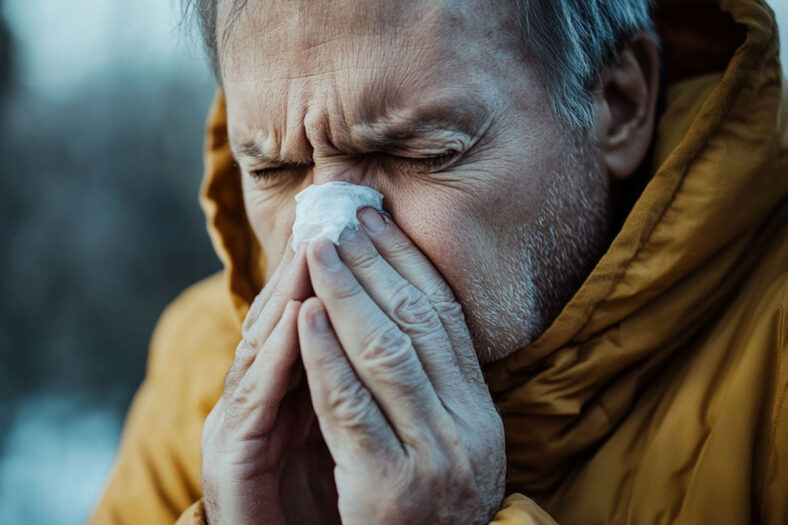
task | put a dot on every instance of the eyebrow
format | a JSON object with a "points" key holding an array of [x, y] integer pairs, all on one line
{"points": [[254, 150], [382, 134]]}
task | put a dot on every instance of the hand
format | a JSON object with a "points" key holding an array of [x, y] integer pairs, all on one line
{"points": [[396, 385], [259, 442]]}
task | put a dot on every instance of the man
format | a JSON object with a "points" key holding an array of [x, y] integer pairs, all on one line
{"points": [[538, 335]]}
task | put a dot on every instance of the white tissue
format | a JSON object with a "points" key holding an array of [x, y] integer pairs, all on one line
{"points": [[326, 210]]}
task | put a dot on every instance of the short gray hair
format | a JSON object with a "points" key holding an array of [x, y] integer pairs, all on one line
{"points": [[574, 40], [571, 40]]}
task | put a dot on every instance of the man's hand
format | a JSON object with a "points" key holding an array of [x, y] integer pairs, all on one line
{"points": [[396, 385], [259, 440]]}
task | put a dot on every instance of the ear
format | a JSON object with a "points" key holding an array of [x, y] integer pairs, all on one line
{"points": [[625, 98]]}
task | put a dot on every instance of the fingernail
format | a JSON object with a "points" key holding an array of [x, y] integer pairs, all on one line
{"points": [[372, 220], [327, 255], [317, 320]]}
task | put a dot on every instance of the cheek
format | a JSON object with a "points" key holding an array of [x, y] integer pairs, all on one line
{"points": [[467, 229], [271, 216], [449, 230]]}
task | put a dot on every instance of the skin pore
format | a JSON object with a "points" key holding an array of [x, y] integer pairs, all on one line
{"points": [[435, 105]]}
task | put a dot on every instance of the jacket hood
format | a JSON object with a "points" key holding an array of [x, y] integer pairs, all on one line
{"points": [[716, 195]]}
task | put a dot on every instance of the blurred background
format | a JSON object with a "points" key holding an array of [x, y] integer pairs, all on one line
{"points": [[102, 104]]}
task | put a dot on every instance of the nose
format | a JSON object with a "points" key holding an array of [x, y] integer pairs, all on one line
{"points": [[331, 164], [345, 168], [330, 170], [359, 171]]}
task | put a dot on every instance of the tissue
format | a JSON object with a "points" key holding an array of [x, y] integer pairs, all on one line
{"points": [[326, 210]]}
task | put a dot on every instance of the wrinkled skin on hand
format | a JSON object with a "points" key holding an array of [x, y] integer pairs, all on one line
{"points": [[264, 459], [395, 384], [436, 106]]}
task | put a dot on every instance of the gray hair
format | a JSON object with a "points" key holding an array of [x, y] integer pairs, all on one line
{"points": [[572, 41]]}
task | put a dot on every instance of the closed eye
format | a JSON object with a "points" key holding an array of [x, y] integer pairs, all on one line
{"points": [[268, 174], [436, 163]]}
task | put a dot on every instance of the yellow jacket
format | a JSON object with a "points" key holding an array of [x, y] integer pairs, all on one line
{"points": [[657, 396]]}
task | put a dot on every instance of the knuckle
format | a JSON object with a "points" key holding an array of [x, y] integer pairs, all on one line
{"points": [[351, 404], [449, 309], [440, 292], [346, 289], [278, 296], [249, 394], [328, 362], [398, 246], [243, 393], [254, 311], [362, 258], [387, 349], [246, 351], [411, 307], [245, 354], [230, 380]]}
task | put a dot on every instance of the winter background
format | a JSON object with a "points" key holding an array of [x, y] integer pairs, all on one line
{"points": [[102, 104]]}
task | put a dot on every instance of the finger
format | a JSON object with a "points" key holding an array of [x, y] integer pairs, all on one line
{"points": [[251, 407], [279, 288], [352, 424], [410, 309], [262, 298], [381, 354], [210, 424], [293, 284], [244, 352], [406, 258]]}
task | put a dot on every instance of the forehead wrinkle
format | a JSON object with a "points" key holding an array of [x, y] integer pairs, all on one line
{"points": [[377, 121], [280, 137], [254, 148], [263, 148]]}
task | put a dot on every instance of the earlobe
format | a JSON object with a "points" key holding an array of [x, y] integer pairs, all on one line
{"points": [[625, 98]]}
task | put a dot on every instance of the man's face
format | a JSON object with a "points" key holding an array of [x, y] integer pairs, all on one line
{"points": [[435, 105]]}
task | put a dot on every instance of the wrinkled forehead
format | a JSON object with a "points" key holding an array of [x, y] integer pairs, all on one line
{"points": [[290, 38], [352, 60]]}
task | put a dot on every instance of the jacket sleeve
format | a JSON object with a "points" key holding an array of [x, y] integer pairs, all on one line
{"points": [[156, 476], [519, 510]]}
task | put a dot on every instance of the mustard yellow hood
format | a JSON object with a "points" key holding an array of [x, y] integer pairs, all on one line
{"points": [[716, 197]]}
